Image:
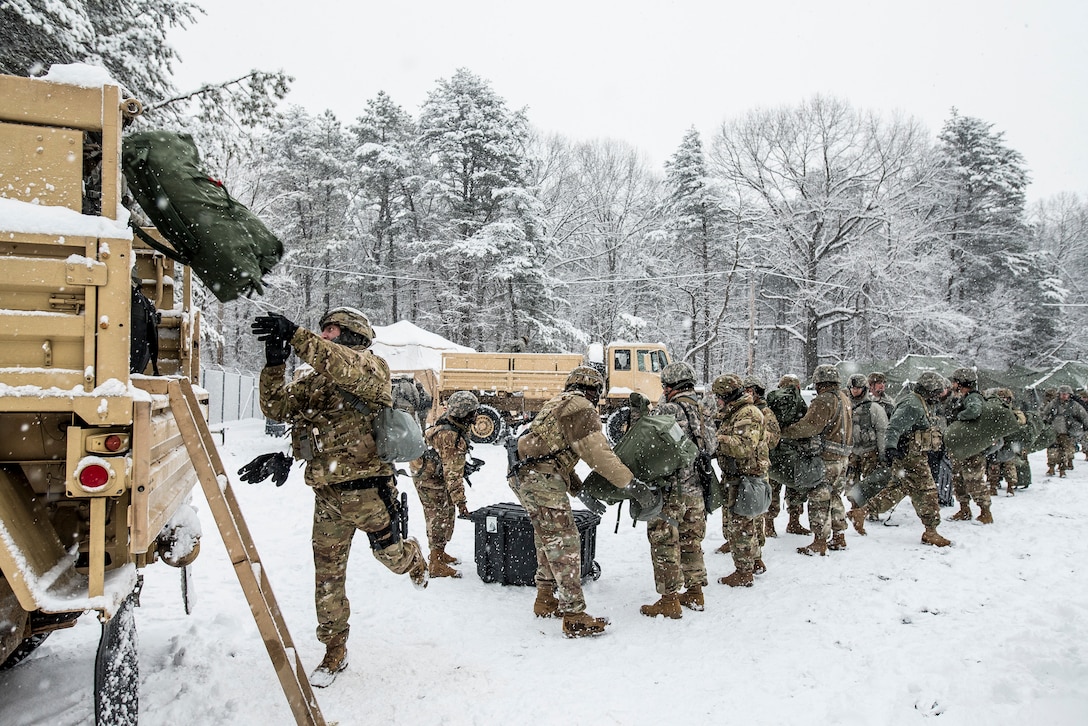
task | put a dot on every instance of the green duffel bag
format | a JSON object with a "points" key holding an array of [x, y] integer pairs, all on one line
{"points": [[653, 448], [1046, 436], [870, 485], [794, 466], [224, 243], [964, 439], [753, 497]]}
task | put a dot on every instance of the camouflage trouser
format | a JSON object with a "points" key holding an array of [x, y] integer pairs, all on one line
{"points": [[997, 469], [969, 481], [337, 515], [911, 476], [861, 465], [745, 534], [826, 513], [438, 511], [677, 551], [1061, 453], [555, 534]]}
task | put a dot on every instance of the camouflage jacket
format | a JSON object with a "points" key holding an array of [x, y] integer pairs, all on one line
{"points": [[335, 439], [869, 421], [568, 428], [772, 431], [443, 464], [1067, 417], [741, 448], [919, 422], [827, 422], [967, 407]]}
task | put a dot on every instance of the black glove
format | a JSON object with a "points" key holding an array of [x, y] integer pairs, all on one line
{"points": [[273, 326], [276, 352], [592, 503], [277, 466], [646, 502]]}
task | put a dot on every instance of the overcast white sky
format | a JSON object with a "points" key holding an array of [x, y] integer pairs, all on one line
{"points": [[644, 71]]}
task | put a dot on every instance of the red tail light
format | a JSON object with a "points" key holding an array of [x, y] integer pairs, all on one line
{"points": [[113, 442], [93, 477]]}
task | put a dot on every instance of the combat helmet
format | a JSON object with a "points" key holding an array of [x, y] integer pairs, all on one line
{"points": [[586, 377], [930, 384], [877, 377], [726, 385], [350, 319], [675, 375], [753, 381], [1065, 389], [965, 377], [1005, 394], [826, 374], [462, 405], [788, 381], [858, 380]]}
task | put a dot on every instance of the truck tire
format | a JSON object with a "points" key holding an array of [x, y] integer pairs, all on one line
{"points": [[616, 425], [489, 426], [28, 646]]}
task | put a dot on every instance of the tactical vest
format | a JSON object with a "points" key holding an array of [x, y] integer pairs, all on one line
{"points": [[545, 439], [930, 437], [864, 429]]}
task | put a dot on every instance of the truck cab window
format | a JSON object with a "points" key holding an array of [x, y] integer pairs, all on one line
{"points": [[622, 360]]}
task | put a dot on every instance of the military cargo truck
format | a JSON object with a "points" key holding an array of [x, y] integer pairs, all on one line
{"points": [[512, 387], [94, 479]]}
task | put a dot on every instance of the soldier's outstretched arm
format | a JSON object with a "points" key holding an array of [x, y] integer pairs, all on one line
{"points": [[595, 451]]}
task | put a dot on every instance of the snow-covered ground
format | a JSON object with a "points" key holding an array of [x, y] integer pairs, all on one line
{"points": [[991, 631]]}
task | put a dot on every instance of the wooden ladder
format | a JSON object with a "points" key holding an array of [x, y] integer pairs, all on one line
{"points": [[243, 553]]}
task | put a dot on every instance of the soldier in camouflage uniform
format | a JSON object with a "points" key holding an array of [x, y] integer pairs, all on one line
{"points": [[869, 421], [676, 538], [878, 391], [741, 453], [1002, 464], [827, 423], [913, 431], [439, 476], [353, 489], [567, 429], [968, 475], [788, 406], [1069, 420], [772, 432]]}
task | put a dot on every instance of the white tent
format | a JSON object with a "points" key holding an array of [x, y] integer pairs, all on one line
{"points": [[408, 347]]}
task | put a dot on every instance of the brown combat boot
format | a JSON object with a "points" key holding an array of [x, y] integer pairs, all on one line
{"points": [[838, 542], [723, 549], [1050, 470], [737, 579], [581, 625], [446, 557], [692, 598], [546, 606], [964, 515], [418, 572], [816, 547], [668, 606], [758, 568], [335, 660], [984, 517], [932, 537], [794, 525], [768, 527], [1061, 472], [857, 518], [1010, 490], [440, 568]]}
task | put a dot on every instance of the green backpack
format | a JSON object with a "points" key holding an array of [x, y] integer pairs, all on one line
{"points": [[224, 243]]}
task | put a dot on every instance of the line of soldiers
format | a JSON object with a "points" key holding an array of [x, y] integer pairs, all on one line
{"points": [[331, 404]]}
